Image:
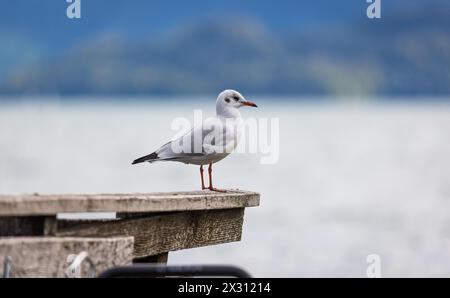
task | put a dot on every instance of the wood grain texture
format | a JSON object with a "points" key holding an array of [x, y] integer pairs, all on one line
{"points": [[44, 205], [47, 256], [158, 234], [22, 226]]}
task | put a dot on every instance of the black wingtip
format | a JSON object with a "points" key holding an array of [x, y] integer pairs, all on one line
{"points": [[149, 157]]}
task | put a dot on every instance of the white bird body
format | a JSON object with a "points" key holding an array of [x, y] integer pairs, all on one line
{"points": [[210, 142], [226, 134]]}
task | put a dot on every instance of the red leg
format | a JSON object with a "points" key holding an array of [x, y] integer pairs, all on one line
{"points": [[210, 176], [210, 180], [201, 176]]}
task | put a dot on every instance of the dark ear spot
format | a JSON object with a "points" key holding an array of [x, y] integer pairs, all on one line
{"points": [[227, 100]]}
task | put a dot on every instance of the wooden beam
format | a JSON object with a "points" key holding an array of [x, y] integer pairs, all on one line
{"points": [[22, 226], [159, 234], [48, 256], [50, 205]]}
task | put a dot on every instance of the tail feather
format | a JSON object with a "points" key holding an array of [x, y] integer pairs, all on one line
{"points": [[149, 158]]}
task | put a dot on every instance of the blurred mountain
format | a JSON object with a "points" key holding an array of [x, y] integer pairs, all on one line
{"points": [[173, 47]]}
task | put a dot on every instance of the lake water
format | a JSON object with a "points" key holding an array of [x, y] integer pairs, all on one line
{"points": [[352, 179]]}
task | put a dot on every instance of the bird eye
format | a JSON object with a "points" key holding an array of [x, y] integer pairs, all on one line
{"points": [[236, 98]]}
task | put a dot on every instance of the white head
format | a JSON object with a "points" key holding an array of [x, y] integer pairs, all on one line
{"points": [[228, 103]]}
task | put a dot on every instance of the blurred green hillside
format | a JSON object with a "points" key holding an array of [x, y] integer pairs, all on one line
{"points": [[407, 52]]}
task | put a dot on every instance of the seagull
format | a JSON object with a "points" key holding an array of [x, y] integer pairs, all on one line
{"points": [[209, 142]]}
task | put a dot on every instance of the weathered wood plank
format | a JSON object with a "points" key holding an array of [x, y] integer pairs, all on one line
{"points": [[158, 234], [35, 204], [22, 226], [48, 256]]}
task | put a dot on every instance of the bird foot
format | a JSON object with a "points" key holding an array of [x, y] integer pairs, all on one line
{"points": [[216, 190]]}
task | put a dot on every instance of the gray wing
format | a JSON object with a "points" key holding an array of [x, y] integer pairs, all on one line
{"points": [[199, 141]]}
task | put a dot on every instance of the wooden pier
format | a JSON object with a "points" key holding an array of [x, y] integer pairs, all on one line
{"points": [[35, 240]]}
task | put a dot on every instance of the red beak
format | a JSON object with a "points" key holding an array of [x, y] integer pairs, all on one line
{"points": [[249, 104]]}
